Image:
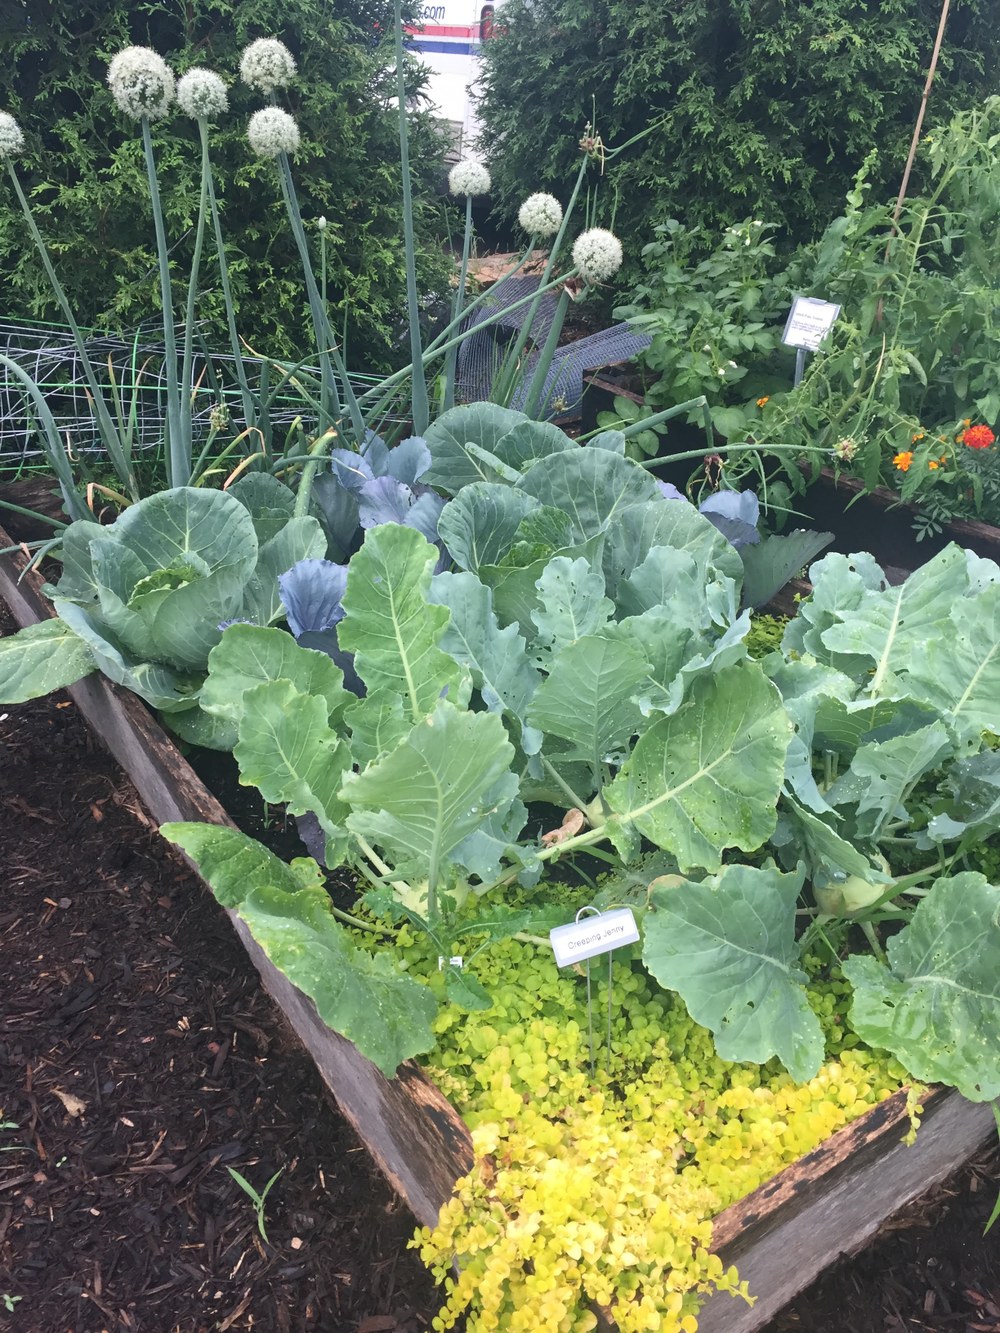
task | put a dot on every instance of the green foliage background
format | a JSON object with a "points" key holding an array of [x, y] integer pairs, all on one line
{"points": [[85, 173], [766, 108]]}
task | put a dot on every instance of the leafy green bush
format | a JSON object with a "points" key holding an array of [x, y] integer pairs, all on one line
{"points": [[761, 109], [84, 169]]}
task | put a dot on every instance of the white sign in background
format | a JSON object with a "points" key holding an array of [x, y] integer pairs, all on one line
{"points": [[809, 321], [593, 935]]}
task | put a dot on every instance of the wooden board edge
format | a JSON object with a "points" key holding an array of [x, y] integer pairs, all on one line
{"points": [[418, 1139], [834, 1215]]}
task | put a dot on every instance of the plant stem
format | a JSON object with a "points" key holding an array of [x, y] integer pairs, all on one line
{"points": [[187, 418], [533, 403], [421, 412], [178, 465], [106, 428], [451, 364]]}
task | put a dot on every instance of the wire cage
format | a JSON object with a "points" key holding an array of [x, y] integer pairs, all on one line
{"points": [[131, 373]]}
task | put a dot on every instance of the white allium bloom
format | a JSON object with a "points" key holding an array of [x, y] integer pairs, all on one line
{"points": [[267, 64], [469, 177], [541, 215], [202, 94], [272, 131], [141, 83], [597, 254], [11, 138]]}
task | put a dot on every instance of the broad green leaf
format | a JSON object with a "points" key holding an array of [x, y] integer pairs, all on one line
{"points": [[385, 1013], [378, 723], [841, 583], [882, 775], [161, 686], [515, 588], [389, 624], [480, 525], [299, 539], [234, 865], [667, 646], [890, 625], [708, 777], [531, 440], [452, 464], [422, 799], [587, 699], [672, 524], [975, 787], [936, 1006], [40, 659], [805, 686], [288, 752], [250, 655], [828, 856], [769, 565], [670, 579], [958, 670], [77, 582], [590, 485], [269, 502], [197, 727], [729, 950], [497, 658], [482, 852], [169, 525], [571, 603]]}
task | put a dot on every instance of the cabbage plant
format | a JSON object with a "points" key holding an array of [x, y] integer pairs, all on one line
{"points": [[145, 599]]}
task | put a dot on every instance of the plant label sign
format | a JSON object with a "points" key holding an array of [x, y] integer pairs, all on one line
{"points": [[809, 321], [593, 935]]}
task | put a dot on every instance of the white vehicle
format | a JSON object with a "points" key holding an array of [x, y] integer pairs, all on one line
{"points": [[448, 40]]}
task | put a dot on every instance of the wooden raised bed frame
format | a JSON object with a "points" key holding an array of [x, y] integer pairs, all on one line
{"points": [[828, 1204]]}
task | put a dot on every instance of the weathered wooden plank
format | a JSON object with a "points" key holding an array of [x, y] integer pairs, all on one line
{"points": [[781, 1236], [418, 1139], [833, 1201]]}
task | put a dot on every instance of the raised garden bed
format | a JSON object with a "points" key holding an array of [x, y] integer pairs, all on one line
{"points": [[828, 1204]]}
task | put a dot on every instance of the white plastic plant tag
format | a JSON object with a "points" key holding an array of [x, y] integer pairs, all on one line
{"points": [[593, 935], [454, 961], [809, 321]]}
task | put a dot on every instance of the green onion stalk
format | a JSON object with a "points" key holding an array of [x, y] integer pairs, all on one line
{"points": [[451, 363], [120, 459], [421, 411]]}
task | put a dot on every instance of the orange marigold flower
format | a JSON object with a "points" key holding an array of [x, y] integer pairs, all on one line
{"points": [[902, 461], [919, 436], [978, 437], [933, 464], [762, 401]]}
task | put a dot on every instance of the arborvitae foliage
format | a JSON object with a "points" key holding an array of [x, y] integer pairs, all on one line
{"points": [[764, 108], [84, 167]]}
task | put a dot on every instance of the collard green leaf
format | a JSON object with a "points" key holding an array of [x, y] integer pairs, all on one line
{"points": [[768, 566], [529, 441], [250, 655], [497, 658], [391, 627], [882, 775], [958, 671], [197, 727], [515, 587], [571, 603], [590, 485], [269, 502], [729, 950], [452, 464], [890, 625], [288, 752], [828, 857], [975, 788], [385, 1013], [77, 582], [482, 852], [675, 526], [936, 1006], [841, 583], [480, 525], [161, 686], [378, 723], [419, 801], [40, 659], [587, 699], [708, 777]]}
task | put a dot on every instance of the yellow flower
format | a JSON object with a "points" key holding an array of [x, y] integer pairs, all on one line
{"points": [[933, 464], [919, 436], [902, 461]]}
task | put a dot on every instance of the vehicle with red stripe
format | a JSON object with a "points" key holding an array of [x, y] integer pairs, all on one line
{"points": [[448, 39]]}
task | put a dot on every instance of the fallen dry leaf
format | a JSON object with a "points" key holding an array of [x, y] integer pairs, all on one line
{"points": [[74, 1106], [573, 822]]}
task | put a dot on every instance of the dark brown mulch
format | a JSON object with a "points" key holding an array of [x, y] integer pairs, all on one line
{"points": [[139, 1059]]}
